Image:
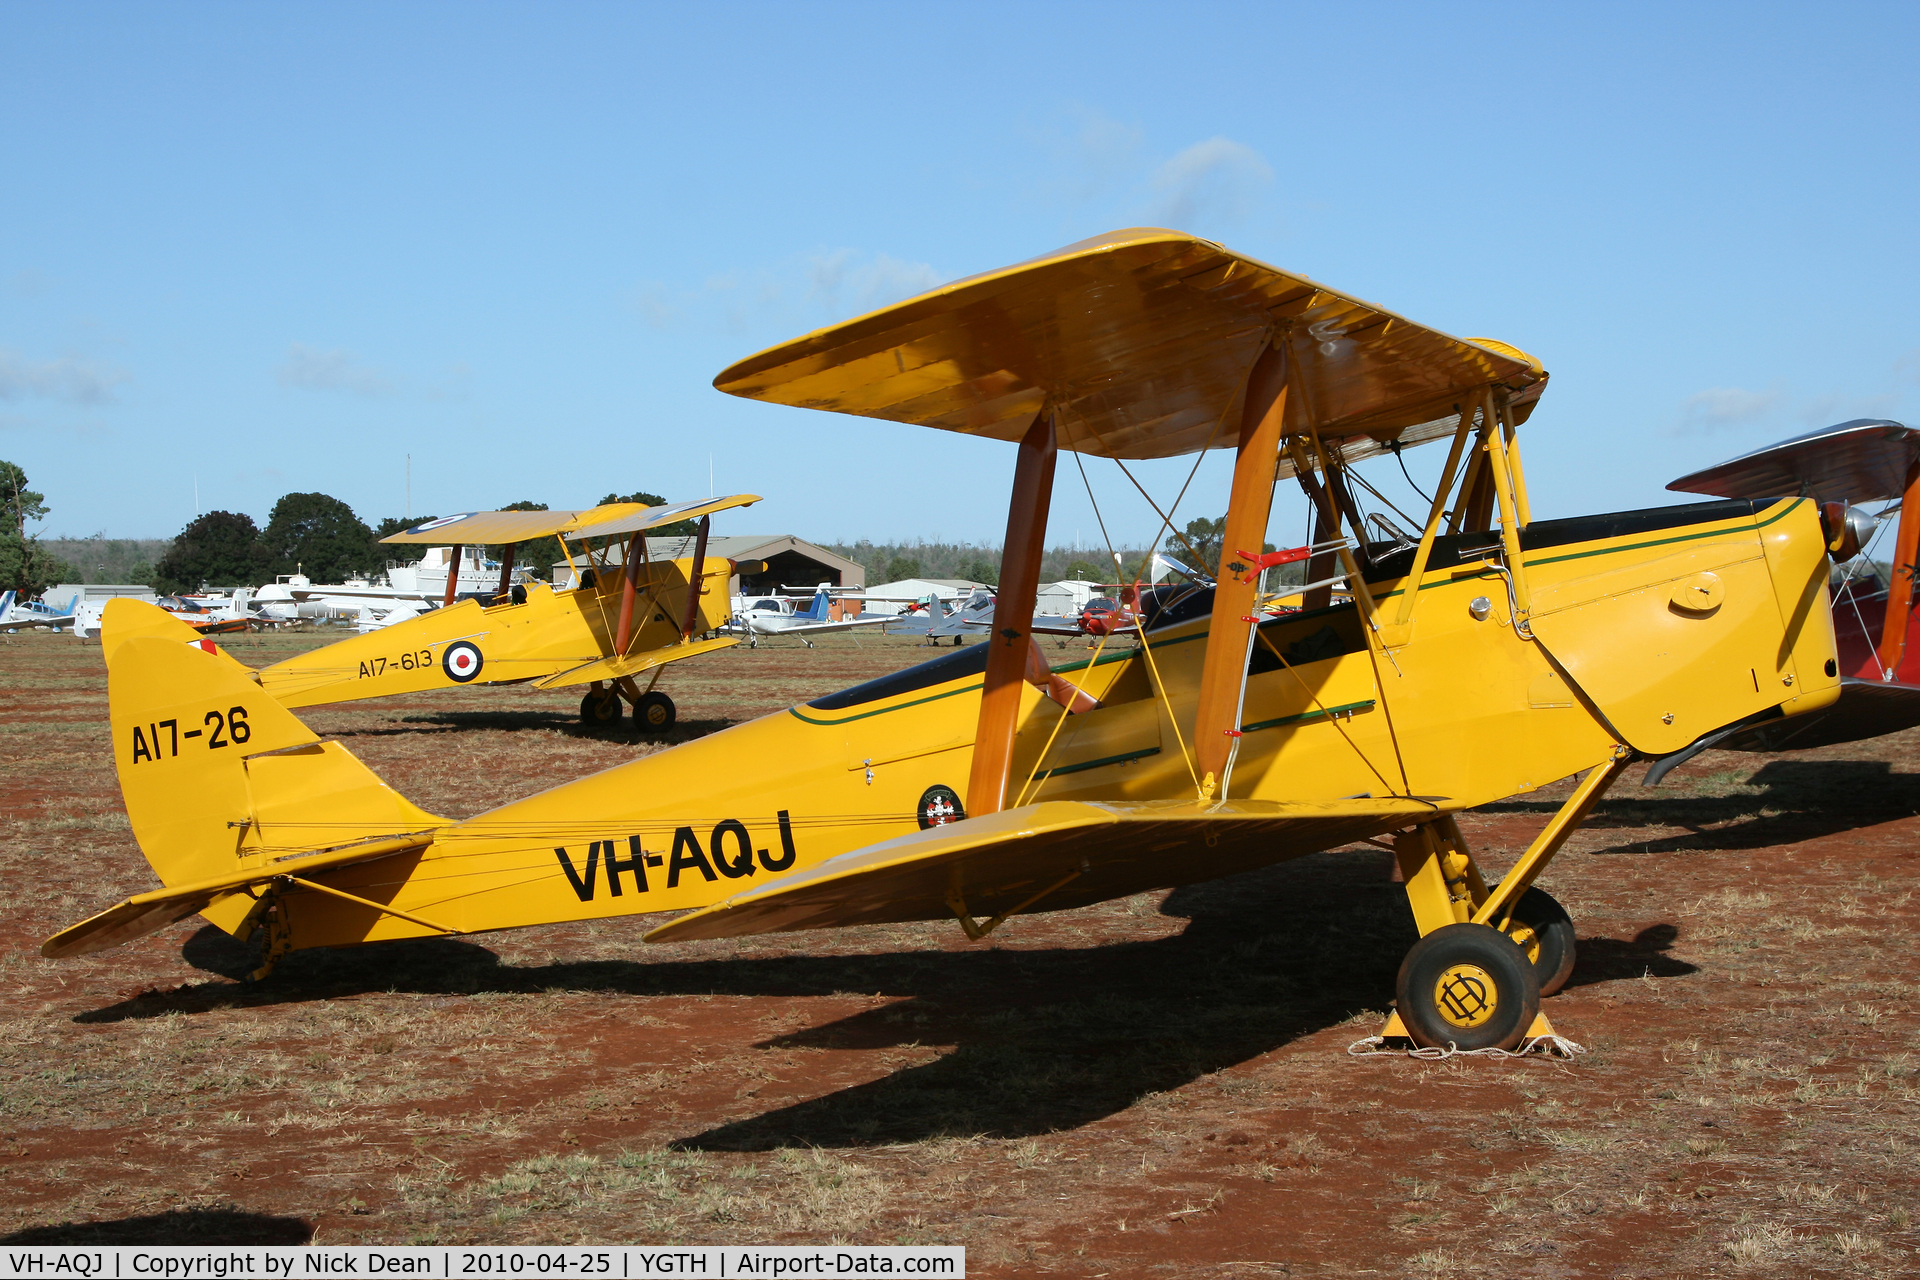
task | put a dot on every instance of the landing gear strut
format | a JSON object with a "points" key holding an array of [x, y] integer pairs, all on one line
{"points": [[1486, 955]]}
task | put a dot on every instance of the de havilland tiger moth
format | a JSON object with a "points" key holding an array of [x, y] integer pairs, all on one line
{"points": [[623, 618], [1493, 656]]}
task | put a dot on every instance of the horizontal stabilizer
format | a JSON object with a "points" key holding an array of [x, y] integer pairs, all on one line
{"points": [[633, 663], [146, 912], [1045, 857]]}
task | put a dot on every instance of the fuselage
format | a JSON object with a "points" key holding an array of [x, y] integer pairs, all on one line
{"points": [[1466, 712], [541, 633]]}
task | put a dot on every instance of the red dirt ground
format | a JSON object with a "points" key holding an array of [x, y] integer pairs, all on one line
{"points": [[1153, 1086]]}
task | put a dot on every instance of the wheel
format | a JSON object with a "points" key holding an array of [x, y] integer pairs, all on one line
{"points": [[600, 710], [654, 713], [1470, 986], [1544, 931]]}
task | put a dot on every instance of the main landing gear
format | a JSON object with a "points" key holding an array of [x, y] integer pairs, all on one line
{"points": [[653, 711], [1486, 956]]}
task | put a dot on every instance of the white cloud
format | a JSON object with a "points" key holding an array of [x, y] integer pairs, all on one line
{"points": [[1093, 156], [332, 370], [848, 282], [69, 378], [1827, 410], [1216, 179], [1719, 407], [656, 306]]}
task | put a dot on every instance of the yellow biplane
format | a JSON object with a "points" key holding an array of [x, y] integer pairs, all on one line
{"points": [[1491, 656], [624, 616]]}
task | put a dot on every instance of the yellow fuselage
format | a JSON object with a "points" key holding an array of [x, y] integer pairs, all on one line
{"points": [[551, 633], [1464, 710]]}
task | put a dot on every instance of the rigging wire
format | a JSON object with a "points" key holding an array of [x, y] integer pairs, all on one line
{"points": [[1361, 480], [1140, 631], [1395, 446]]}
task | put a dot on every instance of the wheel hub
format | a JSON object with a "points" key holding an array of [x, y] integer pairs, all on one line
{"points": [[1465, 995]]}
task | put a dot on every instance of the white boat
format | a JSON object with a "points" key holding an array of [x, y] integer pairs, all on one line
{"points": [[422, 584]]}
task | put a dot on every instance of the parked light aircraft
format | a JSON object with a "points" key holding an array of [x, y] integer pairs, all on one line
{"points": [[222, 616], [937, 619], [1498, 654], [1866, 460], [16, 613], [625, 618], [782, 616]]}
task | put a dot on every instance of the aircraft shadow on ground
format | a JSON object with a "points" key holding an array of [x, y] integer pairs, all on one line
{"points": [[178, 1226], [1043, 1039], [1797, 800]]}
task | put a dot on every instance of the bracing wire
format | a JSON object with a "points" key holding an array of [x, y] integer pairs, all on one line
{"points": [[1395, 446]]}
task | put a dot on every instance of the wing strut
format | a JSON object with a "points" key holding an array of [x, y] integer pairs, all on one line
{"points": [[1013, 617], [957, 903], [1906, 546], [696, 579], [1229, 635], [453, 575], [506, 569], [624, 631]]}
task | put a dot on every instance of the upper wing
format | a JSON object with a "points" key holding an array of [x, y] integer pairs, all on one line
{"points": [[475, 527], [1048, 856], [1141, 341], [654, 517], [1865, 460]]}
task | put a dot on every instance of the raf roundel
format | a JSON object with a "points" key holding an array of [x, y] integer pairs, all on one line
{"points": [[462, 661]]}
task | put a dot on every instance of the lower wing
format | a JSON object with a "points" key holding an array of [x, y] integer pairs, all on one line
{"points": [[1045, 857]]}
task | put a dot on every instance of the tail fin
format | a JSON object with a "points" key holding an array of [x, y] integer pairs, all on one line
{"points": [[821, 608], [6, 605], [225, 788]]}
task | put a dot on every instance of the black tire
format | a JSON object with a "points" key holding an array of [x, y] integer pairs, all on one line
{"points": [[600, 710], [1544, 931], [1469, 986], [654, 713]]}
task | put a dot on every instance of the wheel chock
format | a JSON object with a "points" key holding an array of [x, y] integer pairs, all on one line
{"points": [[1393, 1038]]}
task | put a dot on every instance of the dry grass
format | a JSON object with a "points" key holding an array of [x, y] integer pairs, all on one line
{"points": [[1148, 1083]]}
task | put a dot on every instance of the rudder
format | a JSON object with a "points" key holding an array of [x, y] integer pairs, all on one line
{"points": [[219, 779]]}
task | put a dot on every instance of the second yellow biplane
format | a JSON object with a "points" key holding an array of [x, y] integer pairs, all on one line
{"points": [[625, 615], [1493, 655]]}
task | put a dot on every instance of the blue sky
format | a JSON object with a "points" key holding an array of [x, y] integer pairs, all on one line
{"points": [[282, 247]]}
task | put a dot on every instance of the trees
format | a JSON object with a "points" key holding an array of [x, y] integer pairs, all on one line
{"points": [[317, 535], [981, 571], [406, 552], [218, 549], [1086, 571], [1205, 537], [25, 565], [900, 568]]}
